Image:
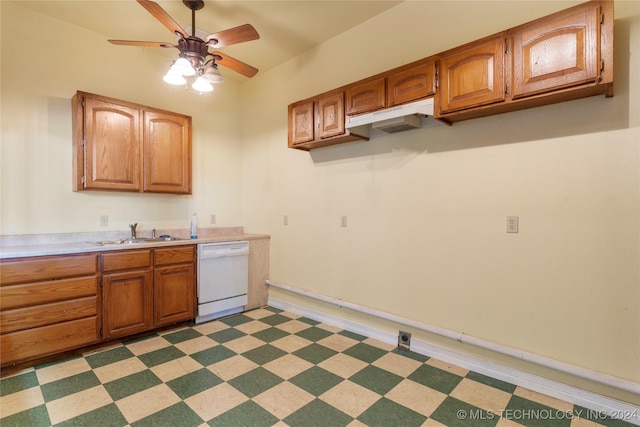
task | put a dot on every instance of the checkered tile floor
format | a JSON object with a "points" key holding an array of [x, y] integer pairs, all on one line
{"points": [[267, 367]]}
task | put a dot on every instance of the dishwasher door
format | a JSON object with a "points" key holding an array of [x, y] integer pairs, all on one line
{"points": [[223, 279]]}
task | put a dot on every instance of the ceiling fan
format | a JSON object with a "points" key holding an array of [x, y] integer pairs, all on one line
{"points": [[194, 54]]}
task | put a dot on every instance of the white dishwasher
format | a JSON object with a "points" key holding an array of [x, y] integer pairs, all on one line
{"points": [[223, 279]]}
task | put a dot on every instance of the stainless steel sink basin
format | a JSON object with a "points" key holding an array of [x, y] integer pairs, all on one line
{"points": [[137, 240]]}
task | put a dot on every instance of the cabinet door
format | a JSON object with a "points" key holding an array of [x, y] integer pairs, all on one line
{"points": [[412, 84], [167, 153], [555, 53], [365, 97], [473, 76], [301, 123], [112, 146], [331, 115], [174, 294], [128, 303]]}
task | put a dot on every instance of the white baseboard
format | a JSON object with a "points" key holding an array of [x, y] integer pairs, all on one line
{"points": [[603, 405]]}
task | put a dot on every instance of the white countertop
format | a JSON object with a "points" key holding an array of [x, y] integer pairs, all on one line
{"points": [[72, 243]]}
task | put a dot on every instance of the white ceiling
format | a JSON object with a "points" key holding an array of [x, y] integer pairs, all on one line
{"points": [[286, 28]]}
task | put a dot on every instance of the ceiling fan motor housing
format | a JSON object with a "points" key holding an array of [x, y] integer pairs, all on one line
{"points": [[193, 49]]}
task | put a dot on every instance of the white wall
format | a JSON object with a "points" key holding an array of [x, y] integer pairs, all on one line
{"points": [[426, 209], [44, 62]]}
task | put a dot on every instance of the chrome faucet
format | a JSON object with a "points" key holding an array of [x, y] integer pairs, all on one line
{"points": [[133, 230]]}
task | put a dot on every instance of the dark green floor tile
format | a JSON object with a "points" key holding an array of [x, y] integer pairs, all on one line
{"points": [[435, 378], [273, 309], [491, 382], [18, 383], [314, 334], [236, 319], [308, 321], [365, 352], [314, 353], [226, 335], [601, 417], [140, 338], [106, 416], [318, 414], [70, 385], [255, 382], [161, 356], [353, 335], [212, 355], [193, 383], [455, 413], [109, 356], [34, 417], [249, 414], [316, 380], [376, 379], [270, 334], [131, 384], [183, 335], [386, 413], [410, 354], [264, 354], [534, 414], [275, 319], [178, 415]]}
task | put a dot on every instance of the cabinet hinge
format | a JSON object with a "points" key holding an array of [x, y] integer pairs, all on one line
{"points": [[82, 181], [506, 48], [602, 66], [101, 332], [602, 19], [437, 76], [506, 88], [100, 279]]}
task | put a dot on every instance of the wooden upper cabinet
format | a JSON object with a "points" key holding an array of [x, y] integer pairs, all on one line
{"points": [[414, 83], [301, 123], [366, 96], [472, 76], [167, 153], [557, 52], [112, 146], [331, 115], [121, 146]]}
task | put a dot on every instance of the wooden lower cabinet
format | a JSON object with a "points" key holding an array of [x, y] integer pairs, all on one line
{"points": [[48, 305], [128, 303], [174, 285]]}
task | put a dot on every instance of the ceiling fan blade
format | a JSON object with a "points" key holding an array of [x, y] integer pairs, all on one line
{"points": [[243, 33], [234, 64], [162, 16], [140, 43]]}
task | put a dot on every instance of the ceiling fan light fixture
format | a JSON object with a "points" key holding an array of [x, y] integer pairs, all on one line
{"points": [[173, 77], [212, 75], [184, 67], [202, 85]]}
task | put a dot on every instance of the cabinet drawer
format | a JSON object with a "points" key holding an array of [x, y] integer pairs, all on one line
{"points": [[30, 294], [41, 315], [126, 260], [46, 268], [46, 340], [176, 255]]}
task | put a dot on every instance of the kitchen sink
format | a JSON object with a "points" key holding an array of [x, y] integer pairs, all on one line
{"points": [[137, 240]]}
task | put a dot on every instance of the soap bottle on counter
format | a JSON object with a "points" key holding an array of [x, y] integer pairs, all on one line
{"points": [[194, 227]]}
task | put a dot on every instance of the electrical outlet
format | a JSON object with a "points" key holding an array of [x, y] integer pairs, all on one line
{"points": [[512, 224], [104, 220], [213, 218], [343, 221], [285, 220], [404, 340]]}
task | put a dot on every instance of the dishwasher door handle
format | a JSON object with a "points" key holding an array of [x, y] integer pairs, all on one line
{"points": [[212, 251]]}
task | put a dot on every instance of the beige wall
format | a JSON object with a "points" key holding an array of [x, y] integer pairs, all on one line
{"points": [[41, 73], [426, 209]]}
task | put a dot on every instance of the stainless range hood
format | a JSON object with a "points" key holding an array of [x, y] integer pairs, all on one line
{"points": [[397, 119]]}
